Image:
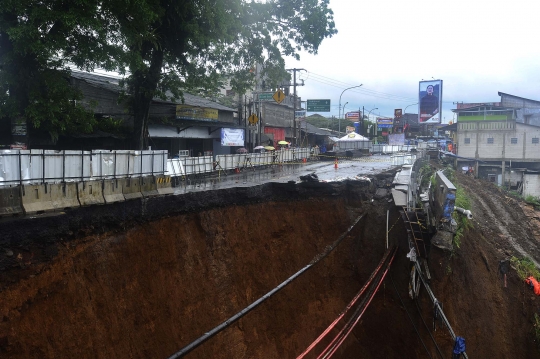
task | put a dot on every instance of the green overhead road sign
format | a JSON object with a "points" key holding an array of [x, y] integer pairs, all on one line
{"points": [[318, 105], [266, 96]]}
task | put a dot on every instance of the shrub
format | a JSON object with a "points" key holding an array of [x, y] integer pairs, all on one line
{"points": [[524, 268]]}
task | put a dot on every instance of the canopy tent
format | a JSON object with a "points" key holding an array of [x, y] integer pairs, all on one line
{"points": [[353, 141], [353, 136]]}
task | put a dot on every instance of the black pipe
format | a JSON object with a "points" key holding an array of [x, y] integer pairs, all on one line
{"points": [[188, 348]]}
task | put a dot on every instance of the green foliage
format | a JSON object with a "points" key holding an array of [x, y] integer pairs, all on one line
{"points": [[426, 173], [111, 125], [163, 47], [38, 41], [524, 268], [329, 123], [532, 200], [463, 201], [198, 44], [450, 173]]}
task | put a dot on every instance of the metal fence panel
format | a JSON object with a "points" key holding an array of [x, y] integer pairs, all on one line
{"points": [[159, 158], [31, 166], [76, 165], [147, 163], [175, 168], [9, 167], [123, 163], [53, 166], [198, 165]]}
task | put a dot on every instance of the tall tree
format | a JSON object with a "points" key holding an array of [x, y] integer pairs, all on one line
{"points": [[191, 45], [39, 40], [163, 47]]}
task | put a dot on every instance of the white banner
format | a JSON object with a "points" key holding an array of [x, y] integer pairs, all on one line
{"points": [[232, 137], [396, 139]]}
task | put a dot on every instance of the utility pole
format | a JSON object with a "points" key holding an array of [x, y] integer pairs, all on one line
{"points": [[362, 123], [294, 100]]}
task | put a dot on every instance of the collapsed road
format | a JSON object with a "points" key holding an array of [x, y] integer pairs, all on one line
{"points": [[144, 278]]}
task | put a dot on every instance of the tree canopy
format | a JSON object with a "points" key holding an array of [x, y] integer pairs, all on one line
{"points": [[163, 47]]}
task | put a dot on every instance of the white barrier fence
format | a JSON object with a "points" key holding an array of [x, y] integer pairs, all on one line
{"points": [[48, 166], [400, 160], [205, 164], [379, 148], [22, 167]]}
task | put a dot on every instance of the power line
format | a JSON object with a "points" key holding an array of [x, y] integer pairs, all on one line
{"points": [[336, 83]]}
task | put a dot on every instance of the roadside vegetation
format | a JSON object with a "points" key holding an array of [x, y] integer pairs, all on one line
{"points": [[529, 199], [463, 201], [160, 48], [525, 268]]}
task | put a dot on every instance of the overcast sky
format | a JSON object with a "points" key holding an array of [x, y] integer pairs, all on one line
{"points": [[477, 48]]}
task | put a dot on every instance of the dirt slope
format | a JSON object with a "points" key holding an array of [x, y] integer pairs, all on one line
{"points": [[147, 287], [497, 321]]}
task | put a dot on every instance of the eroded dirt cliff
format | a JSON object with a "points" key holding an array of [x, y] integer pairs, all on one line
{"points": [[144, 279]]}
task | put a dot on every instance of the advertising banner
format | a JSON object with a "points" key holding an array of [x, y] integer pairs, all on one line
{"points": [[398, 113], [232, 137], [430, 101], [384, 122], [350, 129], [352, 115], [184, 112]]}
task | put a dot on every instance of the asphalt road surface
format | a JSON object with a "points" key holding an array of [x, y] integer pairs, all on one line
{"points": [[325, 170]]}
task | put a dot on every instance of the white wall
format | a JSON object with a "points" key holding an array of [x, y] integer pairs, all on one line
{"points": [[502, 147], [531, 185]]}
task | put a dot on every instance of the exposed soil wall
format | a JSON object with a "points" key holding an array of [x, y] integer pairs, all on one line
{"points": [[142, 279], [148, 290]]}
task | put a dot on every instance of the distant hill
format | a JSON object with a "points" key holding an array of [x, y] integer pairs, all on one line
{"points": [[320, 121]]}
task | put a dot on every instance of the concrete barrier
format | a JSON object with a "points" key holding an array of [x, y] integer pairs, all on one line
{"points": [[36, 199], [64, 195], [131, 188], [10, 201], [149, 186], [112, 191], [90, 193], [164, 185]]}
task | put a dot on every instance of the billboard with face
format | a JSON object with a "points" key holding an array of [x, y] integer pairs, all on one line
{"points": [[430, 101]]}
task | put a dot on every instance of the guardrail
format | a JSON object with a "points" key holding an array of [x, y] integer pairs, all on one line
{"points": [[24, 167], [186, 166], [380, 148], [19, 167]]}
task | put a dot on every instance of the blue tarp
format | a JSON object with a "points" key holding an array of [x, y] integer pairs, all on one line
{"points": [[459, 346]]}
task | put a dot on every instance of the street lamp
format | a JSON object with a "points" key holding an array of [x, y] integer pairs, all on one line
{"points": [[339, 111], [369, 113], [405, 111]]}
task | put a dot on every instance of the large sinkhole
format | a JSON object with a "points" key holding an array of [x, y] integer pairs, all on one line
{"points": [[143, 279]]}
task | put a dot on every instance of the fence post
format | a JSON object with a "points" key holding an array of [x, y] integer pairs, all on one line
{"points": [[63, 166], [152, 167], [20, 169], [43, 169], [82, 165]]}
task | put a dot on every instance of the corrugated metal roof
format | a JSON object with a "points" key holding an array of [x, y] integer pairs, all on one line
{"points": [[309, 128], [111, 83]]}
